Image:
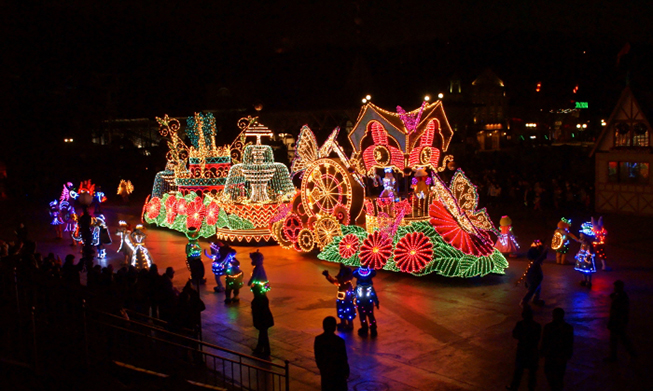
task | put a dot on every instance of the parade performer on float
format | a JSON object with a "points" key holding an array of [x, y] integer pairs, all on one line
{"points": [[218, 264], [233, 275], [421, 182], [261, 314], [534, 274], [560, 241], [507, 243], [366, 299], [57, 220], [598, 245], [585, 259], [345, 296], [389, 183]]}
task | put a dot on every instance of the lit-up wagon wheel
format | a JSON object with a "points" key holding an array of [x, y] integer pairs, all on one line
{"points": [[326, 228], [325, 185]]}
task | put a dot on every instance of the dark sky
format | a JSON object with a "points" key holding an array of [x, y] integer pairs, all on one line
{"points": [[70, 62]]}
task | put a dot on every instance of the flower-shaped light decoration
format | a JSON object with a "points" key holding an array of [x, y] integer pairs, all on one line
{"points": [[212, 212], [195, 211], [413, 252], [171, 209], [153, 208], [376, 250], [182, 207], [348, 246], [459, 232]]}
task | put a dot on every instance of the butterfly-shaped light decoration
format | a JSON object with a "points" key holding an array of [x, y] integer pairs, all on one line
{"points": [[306, 151], [465, 193], [453, 215], [411, 120]]}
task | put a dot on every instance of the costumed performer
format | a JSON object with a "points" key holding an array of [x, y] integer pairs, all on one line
{"points": [[101, 235], [344, 296], [598, 245], [534, 274], [366, 299], [421, 182], [585, 259], [141, 258], [261, 314], [124, 231], [507, 243], [57, 220], [233, 276], [218, 264], [389, 183], [69, 217], [560, 241]]}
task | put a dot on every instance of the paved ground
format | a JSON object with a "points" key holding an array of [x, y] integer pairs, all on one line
{"points": [[435, 333]]}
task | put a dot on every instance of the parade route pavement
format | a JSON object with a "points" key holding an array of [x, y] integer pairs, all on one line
{"points": [[435, 333]]}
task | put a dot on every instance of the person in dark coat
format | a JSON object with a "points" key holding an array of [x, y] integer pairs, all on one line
{"points": [[196, 271], [70, 271], [261, 314], [557, 349], [527, 332], [331, 357], [619, 312], [534, 275]]}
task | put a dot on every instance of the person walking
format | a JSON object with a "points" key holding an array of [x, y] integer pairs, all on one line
{"points": [[534, 274], [527, 332], [557, 349], [331, 357], [619, 313], [261, 314]]}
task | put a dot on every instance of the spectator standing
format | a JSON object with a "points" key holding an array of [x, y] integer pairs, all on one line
{"points": [[619, 313], [527, 332], [557, 349], [331, 357], [261, 314]]}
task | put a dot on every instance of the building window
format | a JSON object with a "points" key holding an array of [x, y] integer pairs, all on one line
{"points": [[622, 135], [640, 135], [636, 135], [628, 172]]}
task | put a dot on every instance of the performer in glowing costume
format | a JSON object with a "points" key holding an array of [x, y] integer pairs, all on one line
{"points": [[101, 236], [218, 264], [389, 183], [421, 182], [70, 219], [366, 299], [506, 244], [233, 275], [140, 255], [598, 245], [124, 231], [585, 259], [345, 296], [560, 241], [57, 220]]}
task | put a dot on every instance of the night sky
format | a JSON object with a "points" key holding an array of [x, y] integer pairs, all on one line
{"points": [[70, 64]]}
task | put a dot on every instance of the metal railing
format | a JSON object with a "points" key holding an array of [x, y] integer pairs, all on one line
{"points": [[51, 330]]}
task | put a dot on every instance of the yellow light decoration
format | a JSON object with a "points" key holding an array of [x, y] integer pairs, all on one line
{"points": [[306, 240]]}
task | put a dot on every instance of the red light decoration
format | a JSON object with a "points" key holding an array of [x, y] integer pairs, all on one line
{"points": [[341, 213], [291, 227], [195, 213], [171, 210], [413, 252], [475, 243], [376, 250], [181, 207], [348, 246], [381, 153], [212, 212], [153, 208]]}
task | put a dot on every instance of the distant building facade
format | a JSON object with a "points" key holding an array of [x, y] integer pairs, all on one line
{"points": [[623, 160]]}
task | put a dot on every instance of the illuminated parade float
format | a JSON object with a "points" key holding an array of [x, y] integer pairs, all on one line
{"points": [[385, 206]]}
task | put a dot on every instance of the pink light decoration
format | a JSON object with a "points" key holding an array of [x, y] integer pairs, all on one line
{"points": [[348, 245], [411, 120], [291, 227], [376, 250], [413, 252], [380, 138], [432, 155]]}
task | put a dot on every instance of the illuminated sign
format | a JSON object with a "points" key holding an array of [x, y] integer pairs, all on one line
{"points": [[582, 105]]}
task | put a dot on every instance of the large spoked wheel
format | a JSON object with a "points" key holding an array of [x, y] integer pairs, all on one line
{"points": [[326, 228], [325, 185]]}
